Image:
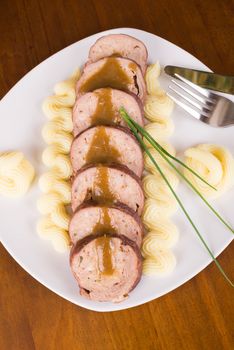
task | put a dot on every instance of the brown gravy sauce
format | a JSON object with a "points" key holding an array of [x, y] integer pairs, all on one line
{"points": [[101, 150], [101, 192], [105, 113], [110, 75], [105, 228], [103, 243], [103, 195]]}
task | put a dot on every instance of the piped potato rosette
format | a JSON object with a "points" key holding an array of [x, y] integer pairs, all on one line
{"points": [[163, 234], [161, 263], [213, 163], [16, 174], [55, 183], [160, 204]]}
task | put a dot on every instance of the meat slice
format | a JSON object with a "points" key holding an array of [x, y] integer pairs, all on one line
{"points": [[101, 107], [123, 220], [119, 45], [106, 268], [107, 183], [107, 144], [113, 72]]}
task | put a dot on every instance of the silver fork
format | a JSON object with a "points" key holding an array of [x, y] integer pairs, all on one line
{"points": [[206, 106]]}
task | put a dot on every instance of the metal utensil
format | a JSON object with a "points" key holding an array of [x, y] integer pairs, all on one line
{"points": [[206, 106], [212, 81]]}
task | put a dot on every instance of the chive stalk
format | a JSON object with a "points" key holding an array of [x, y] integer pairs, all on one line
{"points": [[164, 154], [135, 130], [155, 144]]}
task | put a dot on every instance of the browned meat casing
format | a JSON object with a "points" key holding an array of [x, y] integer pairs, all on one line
{"points": [[107, 144], [120, 45], [124, 186], [101, 107], [87, 260], [123, 220], [112, 72]]}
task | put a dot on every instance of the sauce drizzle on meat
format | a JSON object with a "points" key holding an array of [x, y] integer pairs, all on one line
{"points": [[105, 228], [101, 150], [110, 75], [105, 113], [103, 243], [102, 194]]}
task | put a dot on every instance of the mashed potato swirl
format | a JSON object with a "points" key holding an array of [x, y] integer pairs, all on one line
{"points": [[160, 203], [213, 163], [159, 192], [54, 183], [16, 174], [161, 263]]}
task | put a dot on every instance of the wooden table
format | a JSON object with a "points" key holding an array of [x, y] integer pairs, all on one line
{"points": [[199, 314]]}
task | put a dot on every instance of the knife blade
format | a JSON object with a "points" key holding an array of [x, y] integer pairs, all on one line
{"points": [[204, 79]]}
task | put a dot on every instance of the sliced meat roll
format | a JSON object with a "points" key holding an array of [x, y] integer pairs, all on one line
{"points": [[92, 219], [101, 107], [107, 144], [117, 73], [106, 268], [119, 45], [107, 184]]}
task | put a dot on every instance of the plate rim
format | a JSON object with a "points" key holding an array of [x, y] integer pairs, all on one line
{"points": [[182, 281]]}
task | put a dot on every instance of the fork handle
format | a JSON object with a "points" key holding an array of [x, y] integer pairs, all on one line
{"points": [[223, 114], [229, 116]]}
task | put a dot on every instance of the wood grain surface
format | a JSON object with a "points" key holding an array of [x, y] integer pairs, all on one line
{"points": [[197, 315]]}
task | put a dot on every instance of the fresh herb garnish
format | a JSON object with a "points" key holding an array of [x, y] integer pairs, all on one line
{"points": [[136, 129]]}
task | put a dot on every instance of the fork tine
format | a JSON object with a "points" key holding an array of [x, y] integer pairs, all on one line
{"points": [[202, 99], [202, 91], [205, 109], [187, 108]]}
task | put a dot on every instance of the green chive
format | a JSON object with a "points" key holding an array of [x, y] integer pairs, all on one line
{"points": [[134, 129], [162, 151], [156, 144]]}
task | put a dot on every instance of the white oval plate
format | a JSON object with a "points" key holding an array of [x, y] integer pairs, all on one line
{"points": [[21, 123]]}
